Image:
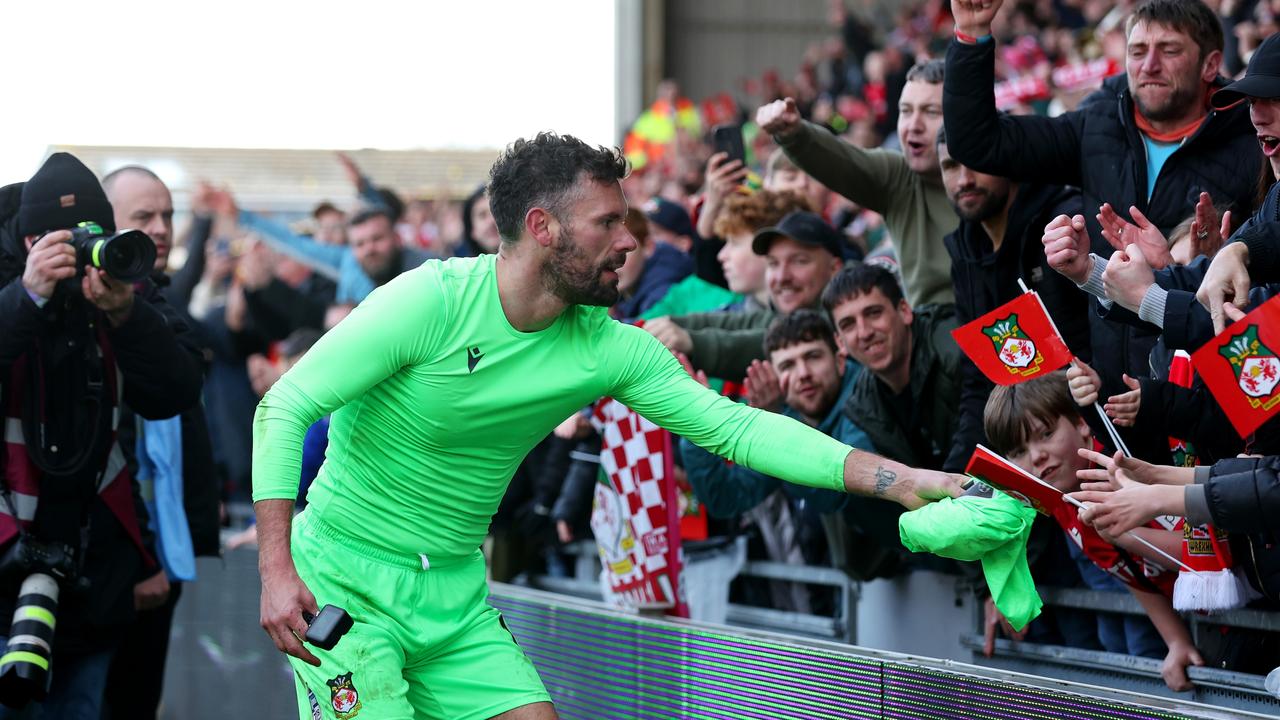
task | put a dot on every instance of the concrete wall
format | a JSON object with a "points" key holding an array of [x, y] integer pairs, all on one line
{"points": [[710, 45]]}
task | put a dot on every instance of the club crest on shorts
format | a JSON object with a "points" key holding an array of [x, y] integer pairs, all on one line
{"points": [[1256, 367], [1014, 348], [344, 697]]}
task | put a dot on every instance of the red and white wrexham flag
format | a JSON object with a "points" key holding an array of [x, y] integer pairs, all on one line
{"points": [[1241, 368], [1015, 342]]}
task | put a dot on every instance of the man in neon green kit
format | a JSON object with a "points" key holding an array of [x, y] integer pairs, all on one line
{"points": [[439, 383]]}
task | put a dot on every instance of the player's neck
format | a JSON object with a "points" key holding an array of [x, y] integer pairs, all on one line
{"points": [[528, 305]]}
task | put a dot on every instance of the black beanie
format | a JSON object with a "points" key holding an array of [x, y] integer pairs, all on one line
{"points": [[62, 194]]}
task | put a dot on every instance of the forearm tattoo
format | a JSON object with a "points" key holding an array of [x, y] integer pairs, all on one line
{"points": [[884, 478]]}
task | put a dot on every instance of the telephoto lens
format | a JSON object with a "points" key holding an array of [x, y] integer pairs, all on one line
{"points": [[128, 255], [24, 667]]}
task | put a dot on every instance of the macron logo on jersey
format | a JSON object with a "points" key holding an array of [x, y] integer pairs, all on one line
{"points": [[473, 358]]}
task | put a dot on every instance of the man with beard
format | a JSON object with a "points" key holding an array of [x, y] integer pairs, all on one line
{"points": [[377, 246], [1147, 140], [997, 245], [439, 384]]}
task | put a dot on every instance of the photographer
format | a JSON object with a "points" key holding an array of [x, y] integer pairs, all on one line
{"points": [[76, 343]]}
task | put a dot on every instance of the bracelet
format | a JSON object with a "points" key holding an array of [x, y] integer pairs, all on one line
{"points": [[970, 39]]}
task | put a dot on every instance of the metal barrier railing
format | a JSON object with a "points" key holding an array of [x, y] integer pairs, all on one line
{"points": [[1213, 685], [598, 663]]}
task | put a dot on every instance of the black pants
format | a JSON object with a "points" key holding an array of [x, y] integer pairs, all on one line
{"points": [[136, 680]]}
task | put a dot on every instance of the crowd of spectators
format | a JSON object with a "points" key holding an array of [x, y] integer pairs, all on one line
{"points": [[912, 176]]}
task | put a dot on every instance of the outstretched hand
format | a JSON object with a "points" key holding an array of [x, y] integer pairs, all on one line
{"points": [[1225, 282], [674, 337], [1141, 232]]}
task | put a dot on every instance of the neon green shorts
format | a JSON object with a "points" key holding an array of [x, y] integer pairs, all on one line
{"points": [[425, 644]]}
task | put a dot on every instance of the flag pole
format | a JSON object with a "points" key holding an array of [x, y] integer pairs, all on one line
{"points": [[1106, 421], [1140, 539]]}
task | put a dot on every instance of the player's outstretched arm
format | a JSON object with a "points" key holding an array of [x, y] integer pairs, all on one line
{"points": [[870, 474], [284, 596]]}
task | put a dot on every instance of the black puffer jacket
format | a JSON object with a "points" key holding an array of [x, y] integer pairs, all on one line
{"points": [[1099, 149], [1243, 495], [985, 279]]}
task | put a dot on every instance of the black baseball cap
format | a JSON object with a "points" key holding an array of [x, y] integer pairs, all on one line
{"points": [[804, 227], [664, 213], [1261, 79]]}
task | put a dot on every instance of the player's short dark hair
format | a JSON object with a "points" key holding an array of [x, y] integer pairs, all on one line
{"points": [[1012, 409], [858, 278], [542, 172], [1192, 17], [927, 71], [803, 325]]}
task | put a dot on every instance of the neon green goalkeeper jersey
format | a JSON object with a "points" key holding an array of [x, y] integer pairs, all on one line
{"points": [[436, 399]]}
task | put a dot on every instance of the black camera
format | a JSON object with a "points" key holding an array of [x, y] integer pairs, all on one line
{"points": [[44, 568], [127, 256], [28, 554]]}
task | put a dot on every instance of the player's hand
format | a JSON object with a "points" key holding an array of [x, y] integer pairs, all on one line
{"points": [[50, 260], [670, 334], [111, 296], [1174, 667], [1066, 247], [1226, 281], [1141, 232], [1123, 408], [925, 486], [1083, 382], [779, 118], [1128, 277], [284, 597], [996, 620], [152, 592], [973, 17], [763, 386]]}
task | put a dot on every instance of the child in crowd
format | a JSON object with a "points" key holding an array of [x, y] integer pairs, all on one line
{"points": [[1037, 425]]}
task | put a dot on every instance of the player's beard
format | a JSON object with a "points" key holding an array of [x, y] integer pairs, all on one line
{"points": [[569, 274]]}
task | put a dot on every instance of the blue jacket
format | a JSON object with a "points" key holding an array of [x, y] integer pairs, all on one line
{"points": [[727, 490], [667, 266], [336, 262]]}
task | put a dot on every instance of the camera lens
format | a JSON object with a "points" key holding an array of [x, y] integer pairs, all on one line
{"points": [[24, 667], [128, 256]]}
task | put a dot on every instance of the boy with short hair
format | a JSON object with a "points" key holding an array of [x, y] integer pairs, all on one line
{"points": [[1037, 426]]}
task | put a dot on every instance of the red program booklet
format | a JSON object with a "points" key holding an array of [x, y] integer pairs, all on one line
{"points": [[1003, 475]]}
